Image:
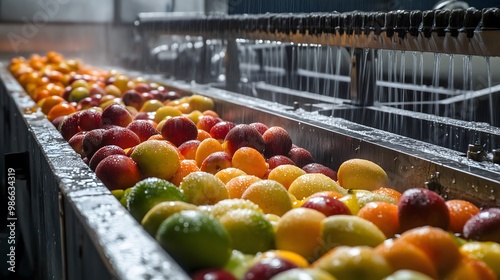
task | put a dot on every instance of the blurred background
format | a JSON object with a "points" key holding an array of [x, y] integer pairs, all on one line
{"points": [[100, 31]]}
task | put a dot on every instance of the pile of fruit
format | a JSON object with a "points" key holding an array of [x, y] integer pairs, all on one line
{"points": [[241, 201]]}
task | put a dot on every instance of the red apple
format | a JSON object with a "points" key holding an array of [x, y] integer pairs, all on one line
{"points": [[277, 141], [327, 205], [133, 98], [244, 135], [484, 226], [220, 129], [145, 116], [143, 128], [104, 152], [69, 126], [300, 156], [90, 119], [320, 168], [116, 114], [92, 141], [207, 122], [266, 268], [179, 130], [279, 160], [143, 87], [215, 162], [188, 148], [118, 172], [120, 136], [76, 142], [422, 207], [261, 128]]}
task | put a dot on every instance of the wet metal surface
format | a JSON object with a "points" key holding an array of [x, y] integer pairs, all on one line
{"points": [[408, 162], [126, 251]]}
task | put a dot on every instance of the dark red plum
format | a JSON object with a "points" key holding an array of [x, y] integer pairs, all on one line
{"points": [[320, 168], [484, 226], [277, 141], [104, 152], [327, 205], [422, 207], [244, 135], [179, 130], [221, 129], [116, 114], [300, 156], [143, 128], [278, 160]]}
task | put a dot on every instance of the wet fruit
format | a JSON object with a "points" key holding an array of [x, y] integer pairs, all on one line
{"points": [[149, 192], [195, 240], [202, 188], [362, 174], [299, 231], [422, 207]]}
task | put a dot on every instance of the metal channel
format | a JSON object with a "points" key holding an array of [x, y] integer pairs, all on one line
{"points": [[102, 241], [408, 162]]}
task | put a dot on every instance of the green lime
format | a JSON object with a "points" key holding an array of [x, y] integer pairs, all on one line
{"points": [[118, 194], [239, 263], [202, 188], [196, 240], [161, 211], [226, 205], [249, 229], [123, 198], [149, 192]]}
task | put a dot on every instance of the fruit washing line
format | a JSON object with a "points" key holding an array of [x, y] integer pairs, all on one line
{"points": [[429, 118]]}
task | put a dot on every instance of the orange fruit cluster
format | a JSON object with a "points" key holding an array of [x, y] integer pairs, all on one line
{"points": [[246, 191]]}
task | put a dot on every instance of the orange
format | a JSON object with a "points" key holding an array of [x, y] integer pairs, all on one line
{"points": [[362, 174], [185, 108], [48, 102], [61, 109], [469, 268], [207, 147], [389, 192], [237, 186], [460, 212], [251, 161], [384, 215], [439, 246], [229, 173], [186, 166], [295, 258], [202, 135], [299, 231], [39, 94], [210, 113], [402, 255], [486, 251], [285, 174]]}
